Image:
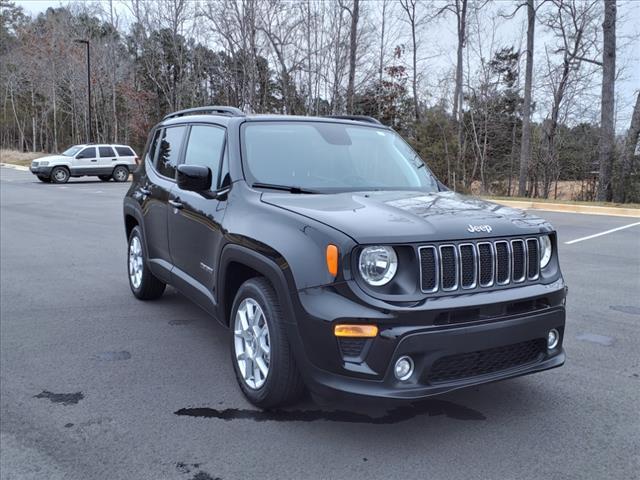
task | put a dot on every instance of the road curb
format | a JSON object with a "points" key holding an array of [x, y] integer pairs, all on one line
{"points": [[571, 208], [15, 167]]}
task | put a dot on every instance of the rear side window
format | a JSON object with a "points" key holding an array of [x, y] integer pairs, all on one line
{"points": [[169, 150], [106, 152], [205, 148], [89, 152], [126, 151], [151, 153]]}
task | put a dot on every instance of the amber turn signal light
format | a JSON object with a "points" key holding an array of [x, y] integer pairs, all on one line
{"points": [[332, 260], [361, 331]]}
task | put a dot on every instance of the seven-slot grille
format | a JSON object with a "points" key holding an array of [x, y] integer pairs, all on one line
{"points": [[465, 266]]}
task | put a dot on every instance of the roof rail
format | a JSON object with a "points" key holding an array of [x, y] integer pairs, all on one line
{"points": [[357, 118], [211, 110]]}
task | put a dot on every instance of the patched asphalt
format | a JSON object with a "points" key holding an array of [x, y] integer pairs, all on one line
{"points": [[98, 385]]}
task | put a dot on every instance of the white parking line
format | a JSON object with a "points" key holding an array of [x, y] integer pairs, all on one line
{"points": [[601, 233]]}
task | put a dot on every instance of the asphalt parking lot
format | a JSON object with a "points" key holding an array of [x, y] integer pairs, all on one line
{"points": [[93, 381]]}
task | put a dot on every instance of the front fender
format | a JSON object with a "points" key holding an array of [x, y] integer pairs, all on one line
{"points": [[297, 244], [60, 164]]}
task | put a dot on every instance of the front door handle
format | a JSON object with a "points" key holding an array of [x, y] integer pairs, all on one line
{"points": [[94, 160], [175, 204]]}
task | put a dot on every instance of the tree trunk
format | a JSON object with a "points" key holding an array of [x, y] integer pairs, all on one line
{"points": [[607, 128], [353, 45], [525, 143], [414, 47], [381, 57], [512, 156], [630, 145], [461, 7], [33, 120], [55, 121]]}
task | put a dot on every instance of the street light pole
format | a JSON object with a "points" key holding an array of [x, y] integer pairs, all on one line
{"points": [[86, 42]]}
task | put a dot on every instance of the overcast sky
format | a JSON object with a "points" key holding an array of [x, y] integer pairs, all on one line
{"points": [[441, 38]]}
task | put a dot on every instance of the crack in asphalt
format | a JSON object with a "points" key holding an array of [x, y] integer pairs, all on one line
{"points": [[630, 309]]}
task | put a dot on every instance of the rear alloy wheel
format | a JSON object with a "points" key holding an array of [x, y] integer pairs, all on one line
{"points": [[120, 174], [143, 283], [60, 175], [262, 358], [104, 178]]}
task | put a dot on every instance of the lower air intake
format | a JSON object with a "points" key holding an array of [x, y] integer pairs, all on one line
{"points": [[472, 364]]}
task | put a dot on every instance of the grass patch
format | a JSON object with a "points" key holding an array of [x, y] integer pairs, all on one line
{"points": [[16, 157], [564, 202]]}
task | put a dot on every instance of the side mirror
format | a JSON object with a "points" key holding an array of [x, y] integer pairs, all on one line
{"points": [[194, 178]]}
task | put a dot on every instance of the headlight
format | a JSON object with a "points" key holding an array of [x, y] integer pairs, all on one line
{"points": [[545, 250], [44, 164], [378, 265]]}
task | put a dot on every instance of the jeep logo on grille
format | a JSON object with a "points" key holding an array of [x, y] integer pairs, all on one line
{"points": [[479, 228]]}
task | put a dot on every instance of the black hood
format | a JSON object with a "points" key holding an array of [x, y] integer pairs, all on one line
{"points": [[405, 217]]}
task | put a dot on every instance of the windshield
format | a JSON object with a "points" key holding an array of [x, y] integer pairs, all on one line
{"points": [[70, 152], [332, 157]]}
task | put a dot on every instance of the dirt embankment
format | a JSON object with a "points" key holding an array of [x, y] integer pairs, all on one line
{"points": [[19, 158]]}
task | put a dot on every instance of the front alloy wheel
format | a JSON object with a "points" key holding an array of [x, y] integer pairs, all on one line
{"points": [[60, 175], [251, 342], [262, 358]]}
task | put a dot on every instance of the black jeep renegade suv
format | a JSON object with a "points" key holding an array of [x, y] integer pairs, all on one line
{"points": [[337, 260]]}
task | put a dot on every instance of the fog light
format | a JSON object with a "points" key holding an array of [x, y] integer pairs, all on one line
{"points": [[552, 339], [403, 368]]}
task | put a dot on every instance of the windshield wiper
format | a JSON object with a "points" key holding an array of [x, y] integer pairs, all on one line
{"points": [[284, 188]]}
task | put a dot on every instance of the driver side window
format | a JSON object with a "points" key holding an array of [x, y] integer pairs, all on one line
{"points": [[205, 148], [89, 152]]}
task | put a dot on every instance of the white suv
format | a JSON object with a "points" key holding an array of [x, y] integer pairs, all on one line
{"points": [[102, 161]]}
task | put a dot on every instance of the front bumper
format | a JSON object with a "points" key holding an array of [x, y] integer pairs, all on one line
{"points": [[446, 356], [41, 171]]}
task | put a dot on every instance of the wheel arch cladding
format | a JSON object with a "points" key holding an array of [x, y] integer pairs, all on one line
{"points": [[239, 264]]}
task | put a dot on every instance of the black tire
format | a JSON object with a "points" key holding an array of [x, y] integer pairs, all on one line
{"points": [[120, 174], [60, 175], [150, 287], [104, 178], [283, 384], [44, 179]]}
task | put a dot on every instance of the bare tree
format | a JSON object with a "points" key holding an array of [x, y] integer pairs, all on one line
{"points": [[409, 7], [573, 23], [280, 22], [459, 10], [607, 127], [525, 142], [354, 12]]}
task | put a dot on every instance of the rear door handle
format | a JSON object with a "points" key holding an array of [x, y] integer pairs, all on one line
{"points": [[175, 204]]}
